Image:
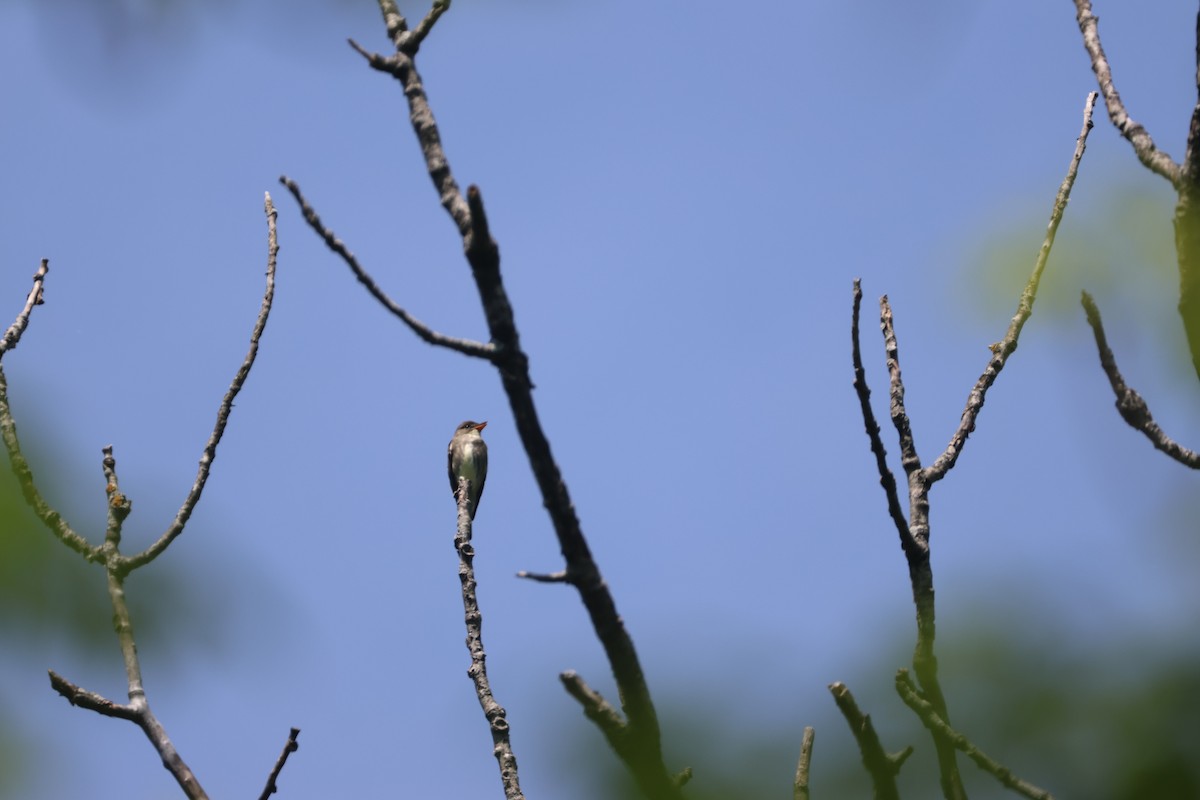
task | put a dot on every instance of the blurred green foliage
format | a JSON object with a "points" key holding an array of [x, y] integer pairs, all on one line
{"points": [[1123, 248], [1112, 724]]}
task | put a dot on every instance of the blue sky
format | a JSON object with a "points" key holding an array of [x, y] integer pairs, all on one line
{"points": [[683, 194]]}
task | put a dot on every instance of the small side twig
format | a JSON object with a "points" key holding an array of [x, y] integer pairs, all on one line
{"points": [[929, 717], [800, 784], [13, 334], [92, 701], [544, 577], [882, 767], [1130, 405], [621, 736], [176, 527], [427, 334], [492, 710], [290, 747]]}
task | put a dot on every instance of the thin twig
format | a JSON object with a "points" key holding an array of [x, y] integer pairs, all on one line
{"points": [[77, 696], [544, 577], [1132, 407], [290, 747], [1006, 346], [13, 334], [492, 711], [8, 431], [1143, 146], [427, 334], [880, 766], [119, 505], [929, 717], [886, 479], [425, 26], [176, 527], [596, 708], [909, 458], [800, 784]]}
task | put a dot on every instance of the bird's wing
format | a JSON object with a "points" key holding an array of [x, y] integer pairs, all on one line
{"points": [[450, 467], [481, 471]]}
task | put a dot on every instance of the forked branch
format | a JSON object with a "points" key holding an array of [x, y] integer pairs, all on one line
{"points": [[915, 532], [117, 566]]}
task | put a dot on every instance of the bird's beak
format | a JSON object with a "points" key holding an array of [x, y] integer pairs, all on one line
{"points": [[481, 426]]}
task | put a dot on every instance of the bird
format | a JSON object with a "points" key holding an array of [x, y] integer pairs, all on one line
{"points": [[466, 457]]}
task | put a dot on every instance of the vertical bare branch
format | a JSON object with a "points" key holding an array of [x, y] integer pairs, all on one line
{"points": [[886, 479], [800, 784], [492, 711]]}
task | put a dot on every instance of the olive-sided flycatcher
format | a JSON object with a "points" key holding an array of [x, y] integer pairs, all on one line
{"points": [[466, 457]]}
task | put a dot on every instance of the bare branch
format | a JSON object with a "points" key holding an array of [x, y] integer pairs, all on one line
{"points": [[425, 26], [1006, 346], [119, 505], [1132, 407], [929, 717], [464, 346], [138, 709], [77, 696], [914, 537], [13, 334], [492, 711], [800, 784], [623, 738], [544, 577], [8, 431], [402, 38], [290, 747], [400, 66], [595, 707], [1143, 146], [210, 449], [880, 766], [886, 479], [645, 760], [909, 458], [393, 20]]}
